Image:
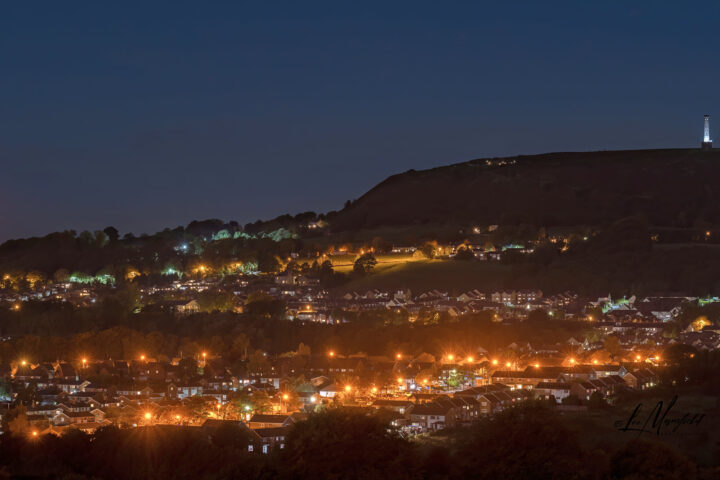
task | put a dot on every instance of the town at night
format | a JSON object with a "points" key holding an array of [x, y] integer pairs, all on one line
{"points": [[335, 241]]}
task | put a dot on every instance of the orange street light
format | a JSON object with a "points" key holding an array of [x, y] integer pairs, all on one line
{"points": [[451, 357], [470, 359], [177, 417], [373, 389], [507, 364], [399, 380], [23, 363], [495, 362], [34, 433], [285, 396], [572, 360], [332, 353], [148, 415], [398, 356], [537, 365], [142, 357], [595, 361], [425, 380], [348, 388], [637, 357]]}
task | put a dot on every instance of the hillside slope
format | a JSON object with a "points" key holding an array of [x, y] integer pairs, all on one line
{"points": [[670, 188]]}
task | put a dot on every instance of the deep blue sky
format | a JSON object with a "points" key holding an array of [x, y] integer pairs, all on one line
{"points": [[146, 115]]}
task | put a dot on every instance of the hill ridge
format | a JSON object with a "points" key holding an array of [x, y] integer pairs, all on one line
{"points": [[548, 189]]}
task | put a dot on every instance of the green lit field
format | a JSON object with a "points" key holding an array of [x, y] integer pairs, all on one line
{"points": [[344, 263]]}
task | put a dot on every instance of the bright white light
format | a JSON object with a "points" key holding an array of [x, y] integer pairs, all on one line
{"points": [[706, 132]]}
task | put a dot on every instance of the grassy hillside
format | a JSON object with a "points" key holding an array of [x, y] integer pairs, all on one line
{"points": [[425, 275], [670, 188]]}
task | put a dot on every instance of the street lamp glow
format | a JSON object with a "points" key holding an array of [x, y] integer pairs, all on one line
{"points": [[148, 415], [142, 357], [470, 359], [332, 353], [572, 360], [507, 364], [398, 356], [451, 357], [285, 396], [348, 388], [23, 363], [373, 389]]}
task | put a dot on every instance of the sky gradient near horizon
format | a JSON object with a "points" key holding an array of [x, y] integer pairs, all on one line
{"points": [[145, 115]]}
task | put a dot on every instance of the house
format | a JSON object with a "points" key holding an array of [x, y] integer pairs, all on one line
{"points": [[497, 401], [254, 441], [260, 420], [184, 391], [526, 379], [285, 279], [272, 437], [432, 416], [606, 370], [190, 307], [477, 392], [329, 391], [68, 418], [605, 386], [558, 390], [641, 379], [72, 386], [400, 406]]}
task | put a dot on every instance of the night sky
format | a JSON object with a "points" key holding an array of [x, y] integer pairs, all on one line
{"points": [[148, 115]]}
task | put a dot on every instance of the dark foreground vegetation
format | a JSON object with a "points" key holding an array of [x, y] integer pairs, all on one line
{"points": [[530, 441]]}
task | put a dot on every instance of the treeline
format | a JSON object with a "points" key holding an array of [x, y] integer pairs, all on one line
{"points": [[213, 243], [40, 332], [529, 441]]}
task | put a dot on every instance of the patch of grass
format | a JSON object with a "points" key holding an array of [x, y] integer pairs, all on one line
{"points": [[344, 263]]}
